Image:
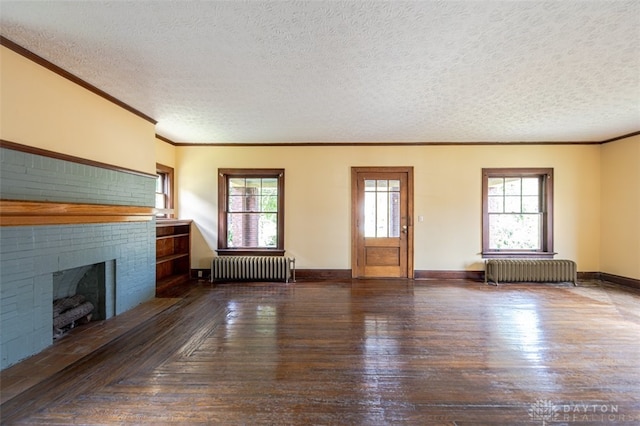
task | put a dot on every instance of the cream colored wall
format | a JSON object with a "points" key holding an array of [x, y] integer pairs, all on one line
{"points": [[165, 153], [42, 109], [620, 249], [447, 193]]}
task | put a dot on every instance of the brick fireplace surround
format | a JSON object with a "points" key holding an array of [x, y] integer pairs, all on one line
{"points": [[31, 253]]}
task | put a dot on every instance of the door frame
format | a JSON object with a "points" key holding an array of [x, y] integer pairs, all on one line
{"points": [[354, 214]]}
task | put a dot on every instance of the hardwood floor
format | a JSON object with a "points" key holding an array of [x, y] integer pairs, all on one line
{"points": [[356, 353]]}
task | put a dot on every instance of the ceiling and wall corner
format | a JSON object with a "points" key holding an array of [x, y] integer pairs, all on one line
{"points": [[43, 110], [351, 72]]}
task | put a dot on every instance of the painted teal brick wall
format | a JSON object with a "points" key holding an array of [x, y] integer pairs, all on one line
{"points": [[30, 254], [29, 177]]}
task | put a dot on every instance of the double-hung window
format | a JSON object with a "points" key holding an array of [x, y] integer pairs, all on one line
{"points": [[517, 212], [251, 211], [164, 191]]}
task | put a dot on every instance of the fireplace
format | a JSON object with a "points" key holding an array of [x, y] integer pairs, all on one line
{"points": [[84, 228], [82, 294]]}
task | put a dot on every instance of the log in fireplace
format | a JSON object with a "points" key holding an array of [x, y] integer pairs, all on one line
{"points": [[81, 295]]}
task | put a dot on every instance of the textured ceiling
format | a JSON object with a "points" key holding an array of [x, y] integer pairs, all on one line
{"points": [[352, 71]]}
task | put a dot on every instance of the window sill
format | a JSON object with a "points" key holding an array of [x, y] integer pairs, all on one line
{"points": [[250, 252], [518, 254]]}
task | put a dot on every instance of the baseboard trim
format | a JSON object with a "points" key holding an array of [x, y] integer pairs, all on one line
{"points": [[619, 280], [450, 275], [323, 274], [345, 274], [588, 276]]}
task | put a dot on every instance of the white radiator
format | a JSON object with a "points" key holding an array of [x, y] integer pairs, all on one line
{"points": [[530, 270], [253, 268]]}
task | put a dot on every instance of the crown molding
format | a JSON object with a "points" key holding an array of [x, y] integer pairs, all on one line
{"points": [[617, 138], [66, 74], [351, 144], [167, 140]]}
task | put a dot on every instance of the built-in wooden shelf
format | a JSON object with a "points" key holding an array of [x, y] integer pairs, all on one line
{"points": [[173, 255]]}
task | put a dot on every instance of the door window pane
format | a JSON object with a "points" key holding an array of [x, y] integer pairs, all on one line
{"points": [[382, 223], [369, 214], [382, 208], [394, 214]]}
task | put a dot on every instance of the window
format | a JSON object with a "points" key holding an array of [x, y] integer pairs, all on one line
{"points": [[251, 211], [381, 208], [164, 191], [517, 213]]}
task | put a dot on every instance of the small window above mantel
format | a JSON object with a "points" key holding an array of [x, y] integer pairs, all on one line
{"points": [[164, 192]]}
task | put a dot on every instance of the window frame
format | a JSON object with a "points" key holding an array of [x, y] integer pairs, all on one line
{"points": [[224, 174], [546, 174], [168, 191]]}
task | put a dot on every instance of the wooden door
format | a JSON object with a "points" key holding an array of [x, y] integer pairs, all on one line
{"points": [[382, 228]]}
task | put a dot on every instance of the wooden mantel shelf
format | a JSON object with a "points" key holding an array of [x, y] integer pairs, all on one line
{"points": [[29, 213]]}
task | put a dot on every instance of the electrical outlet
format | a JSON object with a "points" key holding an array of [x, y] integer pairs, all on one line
{"points": [[199, 274]]}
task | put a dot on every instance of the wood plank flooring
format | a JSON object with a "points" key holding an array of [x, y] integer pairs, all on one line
{"points": [[358, 353], [77, 344]]}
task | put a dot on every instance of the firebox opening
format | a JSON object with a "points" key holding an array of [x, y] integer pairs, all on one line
{"points": [[81, 295]]}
